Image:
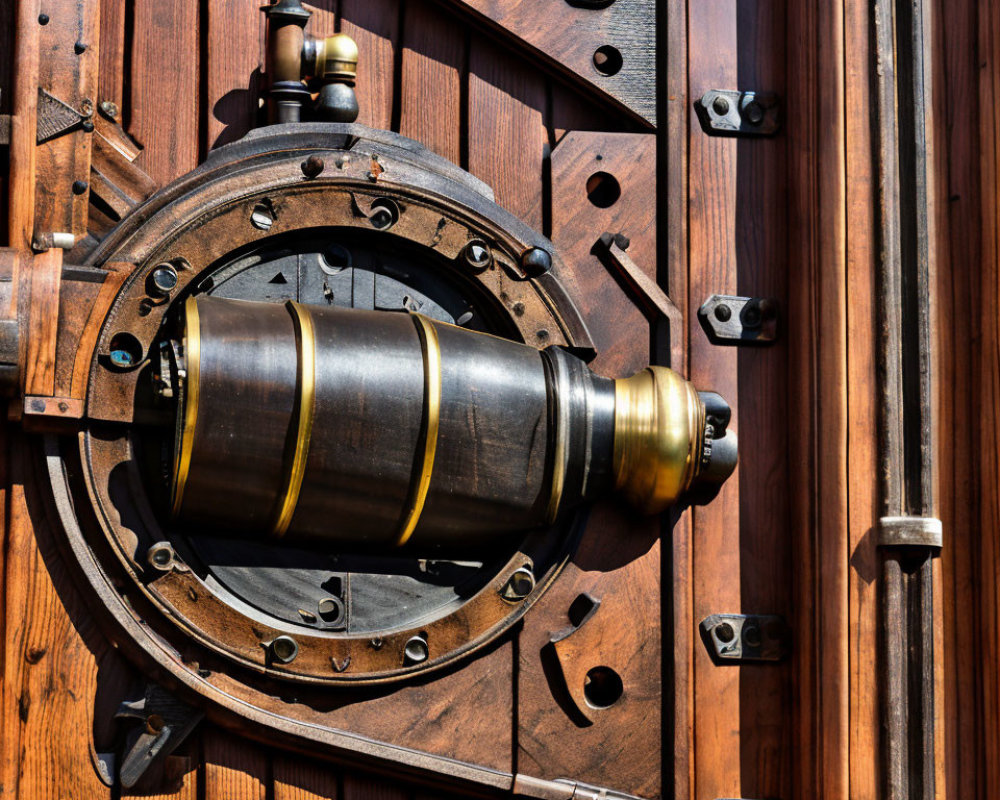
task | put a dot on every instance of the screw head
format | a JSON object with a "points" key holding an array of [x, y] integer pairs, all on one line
{"points": [[520, 584], [723, 312], [163, 279], [477, 254], [283, 649], [753, 113], [415, 651], [720, 105], [79, 187], [536, 261], [79, 48], [43, 19], [161, 556], [724, 632], [312, 166]]}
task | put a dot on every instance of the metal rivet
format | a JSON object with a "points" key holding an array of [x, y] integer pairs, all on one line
{"points": [[723, 313], [724, 632], [43, 19], [161, 556], [720, 105], [79, 187], [536, 261], [477, 254], [163, 279], [312, 166], [88, 126], [753, 113], [376, 643], [520, 584], [79, 48], [262, 216], [415, 651], [109, 108], [284, 649]]}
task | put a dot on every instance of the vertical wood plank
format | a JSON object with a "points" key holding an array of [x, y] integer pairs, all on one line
{"points": [[233, 63], [8, 24], [434, 49], [507, 138], [164, 86], [298, 779], [374, 25], [21, 194], [234, 769], [818, 386], [50, 658], [111, 71], [41, 282], [862, 410], [712, 49]]}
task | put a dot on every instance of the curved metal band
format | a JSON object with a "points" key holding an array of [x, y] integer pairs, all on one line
{"points": [[192, 358], [559, 390], [432, 418], [305, 335]]}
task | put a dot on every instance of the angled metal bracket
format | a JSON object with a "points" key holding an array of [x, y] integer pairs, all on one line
{"points": [[56, 118], [733, 320], [741, 638], [727, 113]]}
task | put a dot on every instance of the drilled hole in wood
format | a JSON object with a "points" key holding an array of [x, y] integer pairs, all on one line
{"points": [[608, 60], [603, 189], [603, 687]]}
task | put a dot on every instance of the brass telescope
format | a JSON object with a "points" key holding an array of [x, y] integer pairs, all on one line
{"points": [[377, 429]]}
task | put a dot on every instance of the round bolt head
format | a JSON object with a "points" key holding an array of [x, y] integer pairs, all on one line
{"points": [[754, 113], [536, 261], [723, 313], [415, 651], [79, 187], [724, 632], [520, 584], [284, 649], [109, 108], [161, 556], [164, 278], [720, 105], [312, 166], [477, 254]]}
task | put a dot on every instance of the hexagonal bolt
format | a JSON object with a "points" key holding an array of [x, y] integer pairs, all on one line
{"points": [[415, 651], [283, 649], [520, 584]]}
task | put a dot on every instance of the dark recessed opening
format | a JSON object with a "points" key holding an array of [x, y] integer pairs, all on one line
{"points": [[603, 687], [608, 60], [603, 189]]}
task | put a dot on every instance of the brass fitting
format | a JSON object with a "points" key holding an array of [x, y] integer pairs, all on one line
{"points": [[665, 441], [333, 61], [285, 38]]}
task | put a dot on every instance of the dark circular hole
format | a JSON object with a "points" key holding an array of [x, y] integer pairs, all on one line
{"points": [[608, 60], [284, 649], [724, 632], [603, 687], [126, 351], [337, 258], [603, 189], [415, 650]]}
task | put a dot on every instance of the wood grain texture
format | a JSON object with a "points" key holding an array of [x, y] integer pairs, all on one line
{"points": [[819, 426], [164, 86], [233, 768], [111, 69], [374, 25], [862, 411], [49, 657], [717, 578], [233, 63], [21, 191], [433, 71], [40, 285], [507, 98], [298, 779]]}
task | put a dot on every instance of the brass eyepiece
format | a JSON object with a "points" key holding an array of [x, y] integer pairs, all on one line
{"points": [[665, 440]]}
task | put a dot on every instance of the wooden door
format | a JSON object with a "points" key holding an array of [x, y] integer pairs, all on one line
{"points": [[500, 90]]}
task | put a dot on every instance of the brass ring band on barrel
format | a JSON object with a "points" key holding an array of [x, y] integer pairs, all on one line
{"points": [[305, 334], [192, 356], [431, 348]]}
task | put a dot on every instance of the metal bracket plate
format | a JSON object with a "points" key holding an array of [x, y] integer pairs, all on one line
{"points": [[728, 113], [741, 638], [56, 117], [733, 320], [910, 532]]}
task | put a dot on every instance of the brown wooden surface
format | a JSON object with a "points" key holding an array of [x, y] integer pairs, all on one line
{"points": [[791, 217]]}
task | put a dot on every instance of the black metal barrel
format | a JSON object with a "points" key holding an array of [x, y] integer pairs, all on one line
{"points": [[367, 428]]}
